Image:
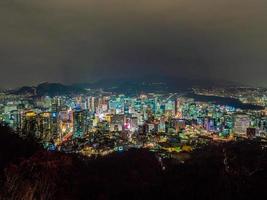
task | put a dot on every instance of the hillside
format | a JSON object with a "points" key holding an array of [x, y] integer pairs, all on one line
{"points": [[230, 171]]}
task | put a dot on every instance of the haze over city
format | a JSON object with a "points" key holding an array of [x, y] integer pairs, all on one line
{"points": [[82, 41]]}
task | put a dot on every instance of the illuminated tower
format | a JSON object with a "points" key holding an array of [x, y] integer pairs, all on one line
{"points": [[92, 104], [178, 108], [65, 121], [79, 123], [44, 125]]}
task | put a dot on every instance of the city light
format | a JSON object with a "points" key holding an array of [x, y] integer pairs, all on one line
{"points": [[161, 122]]}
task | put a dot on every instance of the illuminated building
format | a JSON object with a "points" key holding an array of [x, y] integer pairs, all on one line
{"points": [[127, 124], [44, 125], [91, 102], [117, 122], [179, 125], [79, 123], [30, 126], [178, 109], [161, 126], [108, 118], [117, 105], [209, 124], [134, 124], [170, 109], [65, 121], [44, 102], [10, 107], [15, 120], [151, 127], [148, 114], [241, 123], [54, 124]]}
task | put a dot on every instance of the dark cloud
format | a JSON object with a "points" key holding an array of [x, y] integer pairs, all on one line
{"points": [[78, 40]]}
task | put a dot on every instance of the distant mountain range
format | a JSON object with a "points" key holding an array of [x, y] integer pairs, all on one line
{"points": [[126, 86], [48, 89]]}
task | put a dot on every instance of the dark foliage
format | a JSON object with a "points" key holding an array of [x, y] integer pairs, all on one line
{"points": [[13, 148], [225, 171]]}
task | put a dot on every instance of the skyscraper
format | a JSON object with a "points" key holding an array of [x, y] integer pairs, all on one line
{"points": [[241, 123], [79, 123]]}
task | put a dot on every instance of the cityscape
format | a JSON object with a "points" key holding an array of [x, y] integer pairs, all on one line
{"points": [[133, 100], [98, 123]]}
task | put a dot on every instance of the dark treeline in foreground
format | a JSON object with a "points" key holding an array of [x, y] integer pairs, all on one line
{"points": [[15, 149], [226, 171]]}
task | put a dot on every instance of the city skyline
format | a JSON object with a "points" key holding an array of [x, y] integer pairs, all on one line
{"points": [[133, 99], [113, 122], [82, 41]]}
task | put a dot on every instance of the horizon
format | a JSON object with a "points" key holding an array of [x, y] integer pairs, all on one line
{"points": [[189, 82]]}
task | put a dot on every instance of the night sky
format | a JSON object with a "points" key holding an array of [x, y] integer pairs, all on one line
{"points": [[73, 41]]}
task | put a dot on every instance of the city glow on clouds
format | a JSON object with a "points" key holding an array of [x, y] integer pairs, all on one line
{"points": [[75, 41]]}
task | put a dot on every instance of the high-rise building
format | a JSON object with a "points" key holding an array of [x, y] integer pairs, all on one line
{"points": [[79, 123], [29, 123], [117, 122], [65, 121], [241, 123], [45, 125]]}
